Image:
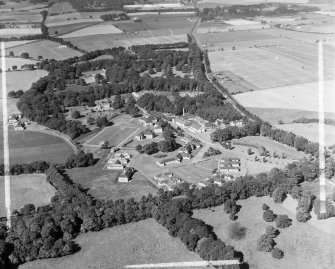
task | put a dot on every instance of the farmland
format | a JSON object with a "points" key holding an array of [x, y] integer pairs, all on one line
{"points": [[29, 146], [310, 131], [299, 242], [105, 28], [18, 62], [103, 184], [138, 243], [70, 27], [26, 79], [32, 188], [9, 32], [298, 97], [47, 49]]}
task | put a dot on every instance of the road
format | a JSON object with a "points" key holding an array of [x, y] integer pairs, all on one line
{"points": [[208, 73]]}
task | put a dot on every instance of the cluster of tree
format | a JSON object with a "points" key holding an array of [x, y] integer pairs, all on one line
{"points": [[211, 152], [80, 160], [30, 168], [266, 242], [115, 17], [306, 120], [230, 207], [209, 106], [176, 217], [15, 94], [329, 209], [151, 47], [305, 206]]}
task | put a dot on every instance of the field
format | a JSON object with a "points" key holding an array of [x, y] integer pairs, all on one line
{"points": [[298, 97], [137, 243], [11, 44], [300, 242], [103, 184], [18, 62], [47, 49], [68, 28], [9, 32], [27, 189], [26, 79], [115, 40], [99, 29], [114, 134], [310, 131], [273, 115], [28, 146], [193, 173]]}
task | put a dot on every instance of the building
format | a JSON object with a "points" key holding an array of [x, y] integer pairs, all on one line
{"points": [[148, 121], [148, 134], [237, 123], [185, 149], [158, 129], [195, 144], [114, 165], [120, 155], [200, 121], [186, 140], [140, 136], [196, 128], [126, 174], [168, 161], [221, 124], [167, 180], [229, 165], [186, 156], [181, 122]]}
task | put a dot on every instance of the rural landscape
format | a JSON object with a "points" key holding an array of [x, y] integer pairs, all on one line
{"points": [[167, 134]]}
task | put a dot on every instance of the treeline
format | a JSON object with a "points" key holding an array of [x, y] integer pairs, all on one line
{"points": [[151, 47], [209, 105], [306, 120], [75, 160], [176, 217], [114, 17]]}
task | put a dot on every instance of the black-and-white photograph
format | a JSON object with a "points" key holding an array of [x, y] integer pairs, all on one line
{"points": [[170, 134]]}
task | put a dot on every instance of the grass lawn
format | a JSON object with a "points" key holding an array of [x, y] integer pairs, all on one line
{"points": [[47, 49], [28, 146], [304, 245], [135, 243], [310, 131], [26, 78], [103, 184], [27, 189], [192, 173], [114, 134]]}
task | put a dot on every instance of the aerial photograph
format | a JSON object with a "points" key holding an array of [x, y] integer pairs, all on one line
{"points": [[167, 134]]}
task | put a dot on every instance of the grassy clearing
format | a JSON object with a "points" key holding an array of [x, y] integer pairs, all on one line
{"points": [[26, 78], [299, 242], [99, 29], [298, 97], [28, 146], [310, 131], [137, 243], [25, 189], [103, 184], [47, 49], [273, 115]]}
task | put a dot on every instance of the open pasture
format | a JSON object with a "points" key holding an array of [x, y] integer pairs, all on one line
{"points": [[47, 49], [103, 184], [299, 242], [27, 78], [157, 22], [12, 32], [99, 29], [114, 134], [263, 68], [62, 29], [310, 131], [20, 17], [73, 17], [28, 146], [27, 189], [11, 44], [126, 40], [11, 61], [142, 242], [298, 97]]}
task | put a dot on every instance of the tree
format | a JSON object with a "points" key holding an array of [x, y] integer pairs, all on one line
{"points": [[269, 216], [277, 253], [249, 151], [138, 148], [14, 67], [265, 207], [283, 221], [39, 57], [25, 55], [105, 144], [118, 102], [279, 195], [11, 53], [265, 243], [272, 232], [102, 122], [90, 121], [75, 114], [296, 192], [237, 232]]}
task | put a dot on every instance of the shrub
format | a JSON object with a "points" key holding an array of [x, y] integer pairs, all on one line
{"points": [[269, 216], [265, 207], [272, 232], [138, 148], [75, 114], [279, 195], [265, 243], [283, 221], [296, 192], [237, 232], [277, 253]]}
